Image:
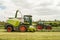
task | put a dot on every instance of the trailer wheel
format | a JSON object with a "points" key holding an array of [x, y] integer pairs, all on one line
{"points": [[22, 28], [39, 27], [49, 27], [9, 29]]}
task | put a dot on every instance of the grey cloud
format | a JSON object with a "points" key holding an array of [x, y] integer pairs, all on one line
{"points": [[46, 11], [2, 6], [38, 8], [22, 3], [58, 4]]}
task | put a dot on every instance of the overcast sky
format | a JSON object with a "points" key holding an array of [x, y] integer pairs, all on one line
{"points": [[39, 9]]}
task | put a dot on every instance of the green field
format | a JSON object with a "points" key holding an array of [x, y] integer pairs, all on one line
{"points": [[29, 35]]}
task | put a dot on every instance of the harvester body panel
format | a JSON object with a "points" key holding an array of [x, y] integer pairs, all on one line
{"points": [[14, 22]]}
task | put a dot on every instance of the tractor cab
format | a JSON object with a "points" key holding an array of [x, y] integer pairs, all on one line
{"points": [[28, 19]]}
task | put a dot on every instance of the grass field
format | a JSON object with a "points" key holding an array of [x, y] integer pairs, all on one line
{"points": [[29, 35]]}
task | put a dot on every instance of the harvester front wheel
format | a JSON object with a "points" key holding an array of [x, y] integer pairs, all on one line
{"points": [[9, 29], [22, 28]]}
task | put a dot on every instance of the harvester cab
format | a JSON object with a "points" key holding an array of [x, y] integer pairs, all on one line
{"points": [[28, 19]]}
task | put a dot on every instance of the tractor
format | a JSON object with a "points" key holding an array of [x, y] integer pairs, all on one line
{"points": [[41, 25], [15, 24]]}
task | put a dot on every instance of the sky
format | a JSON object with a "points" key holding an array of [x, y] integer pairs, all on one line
{"points": [[39, 9]]}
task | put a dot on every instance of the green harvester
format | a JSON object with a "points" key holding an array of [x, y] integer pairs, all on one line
{"points": [[15, 24]]}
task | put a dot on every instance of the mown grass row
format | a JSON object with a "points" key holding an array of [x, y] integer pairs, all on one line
{"points": [[30, 36]]}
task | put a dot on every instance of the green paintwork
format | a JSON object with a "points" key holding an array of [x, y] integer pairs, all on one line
{"points": [[15, 22], [32, 28]]}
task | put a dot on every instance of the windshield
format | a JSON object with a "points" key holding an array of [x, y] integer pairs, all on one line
{"points": [[27, 19]]}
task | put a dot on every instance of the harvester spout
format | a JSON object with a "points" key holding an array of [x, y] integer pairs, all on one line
{"points": [[16, 13]]}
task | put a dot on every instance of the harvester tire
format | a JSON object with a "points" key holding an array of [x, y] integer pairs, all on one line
{"points": [[39, 27], [22, 28], [9, 29]]}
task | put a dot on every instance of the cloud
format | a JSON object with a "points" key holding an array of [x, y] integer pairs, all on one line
{"points": [[8, 9], [37, 8], [2, 7]]}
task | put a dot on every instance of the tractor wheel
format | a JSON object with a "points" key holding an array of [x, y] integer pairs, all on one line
{"points": [[9, 29], [49, 27], [22, 28], [39, 27]]}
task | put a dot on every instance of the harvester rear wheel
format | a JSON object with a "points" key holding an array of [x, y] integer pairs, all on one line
{"points": [[39, 27], [9, 29], [22, 28]]}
